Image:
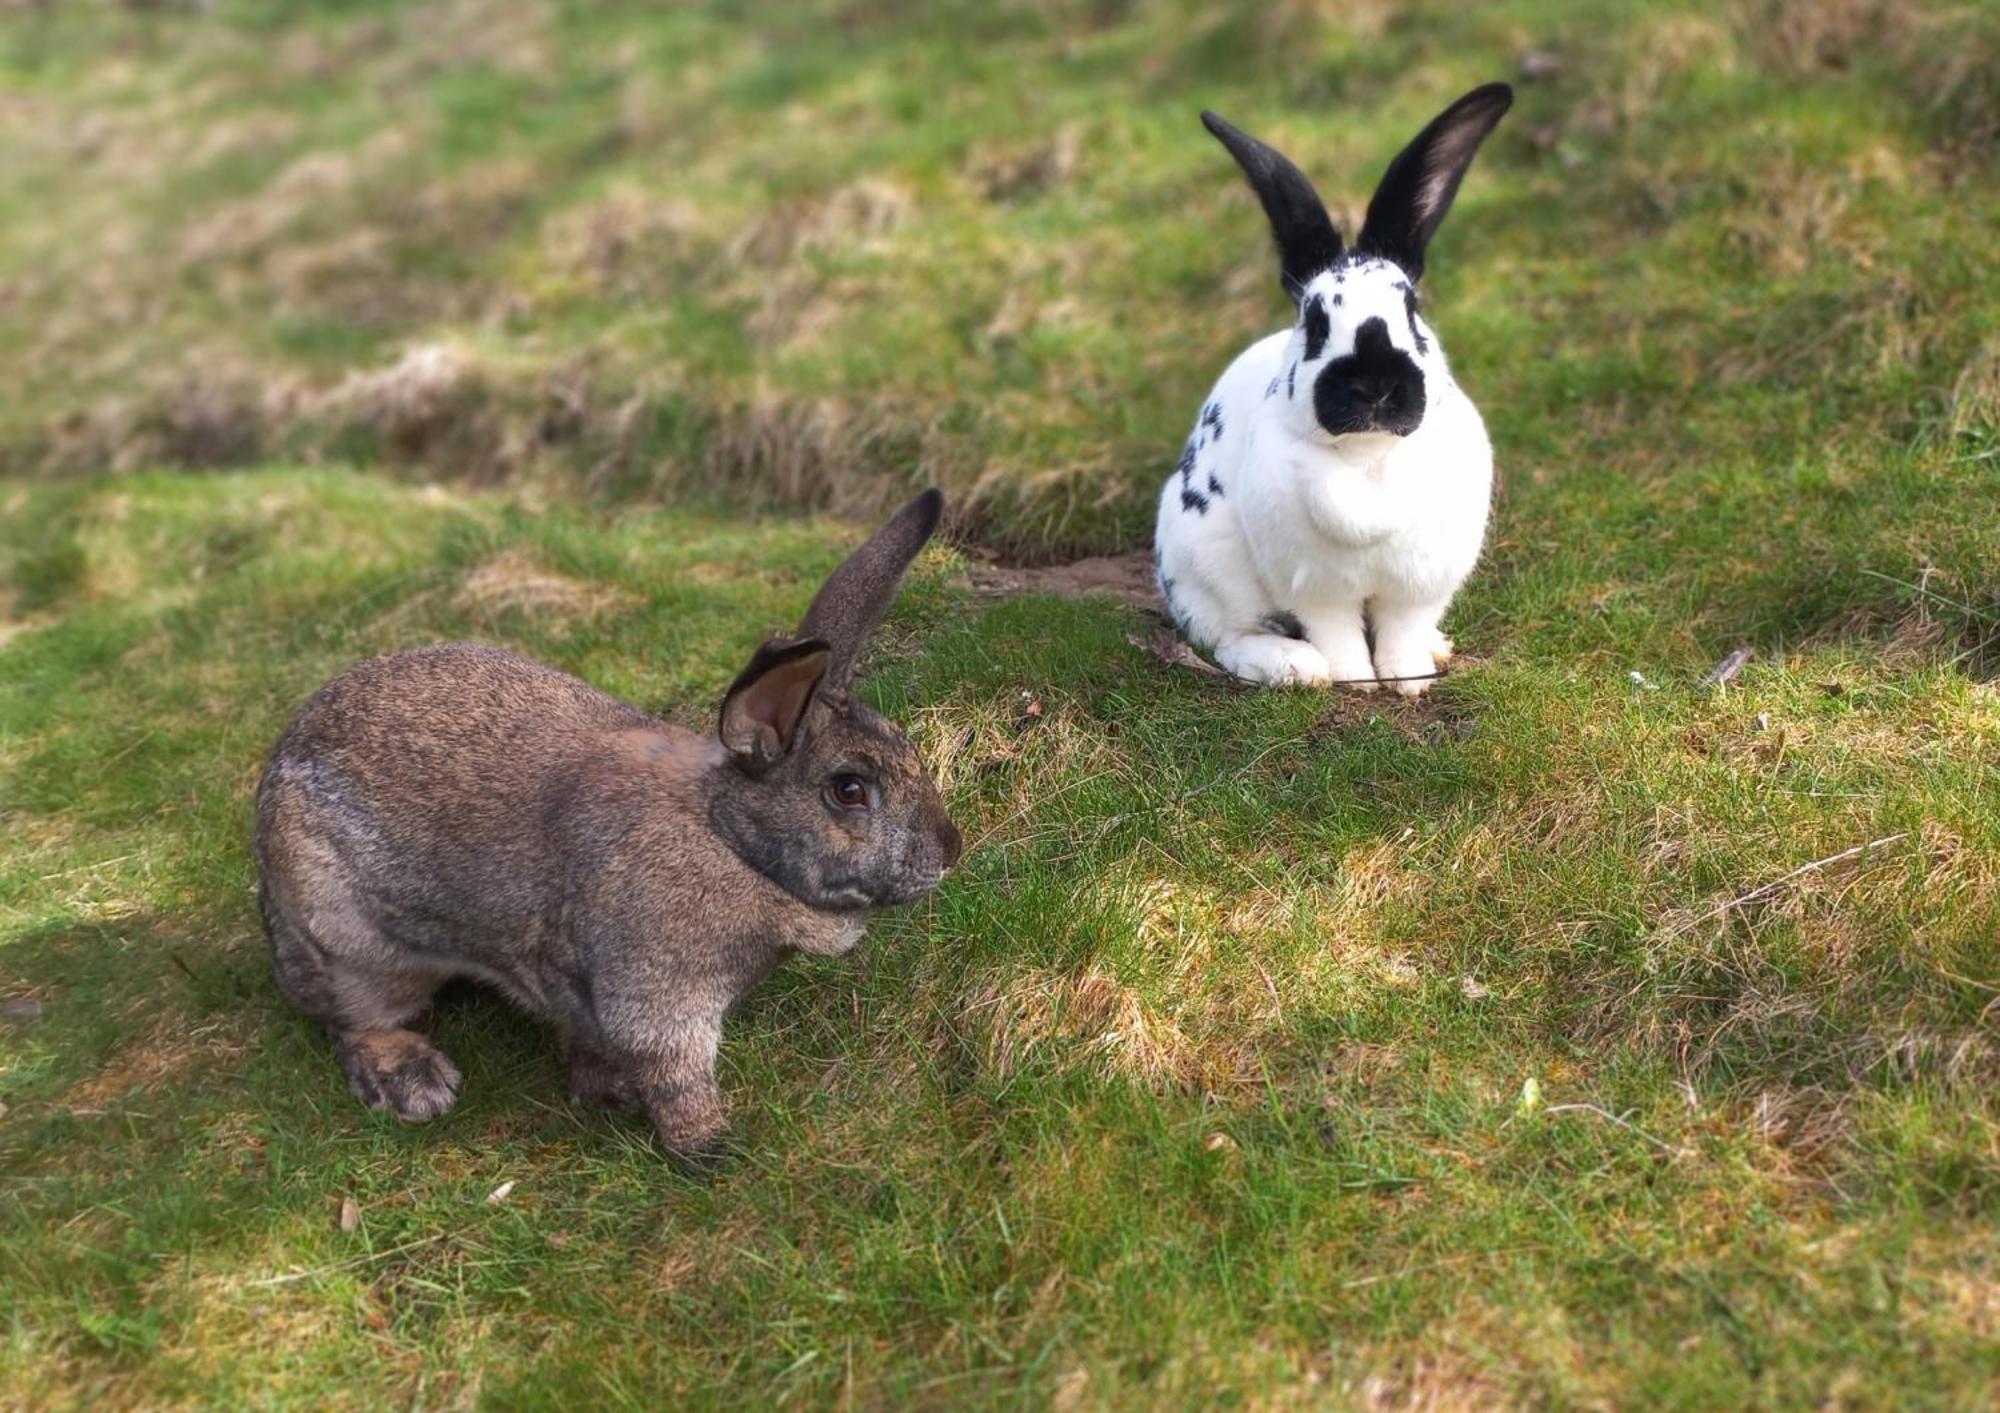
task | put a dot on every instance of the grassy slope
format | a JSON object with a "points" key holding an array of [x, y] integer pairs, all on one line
{"points": [[1204, 1072], [809, 248]]}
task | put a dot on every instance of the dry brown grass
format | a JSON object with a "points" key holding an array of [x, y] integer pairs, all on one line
{"points": [[1015, 759], [255, 224], [856, 214], [630, 224], [431, 402], [163, 1056], [1427, 1384], [1086, 1020], [212, 417], [512, 582], [1975, 393], [815, 452], [1806, 36], [1011, 171]]}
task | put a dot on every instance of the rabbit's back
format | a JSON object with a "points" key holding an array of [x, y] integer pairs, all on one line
{"points": [[439, 784]]}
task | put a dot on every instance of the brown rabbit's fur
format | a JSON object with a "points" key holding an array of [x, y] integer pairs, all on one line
{"points": [[460, 811]]}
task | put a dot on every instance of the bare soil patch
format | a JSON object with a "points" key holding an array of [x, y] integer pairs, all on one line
{"points": [[1128, 577]]}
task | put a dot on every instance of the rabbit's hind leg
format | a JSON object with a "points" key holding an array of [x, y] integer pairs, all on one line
{"points": [[367, 1011], [597, 1079], [1272, 659], [1227, 615]]}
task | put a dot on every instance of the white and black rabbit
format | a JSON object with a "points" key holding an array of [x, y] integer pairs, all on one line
{"points": [[1334, 493], [460, 811]]}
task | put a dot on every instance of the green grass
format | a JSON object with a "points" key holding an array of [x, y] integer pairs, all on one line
{"points": [[1265, 1048], [1201, 1077]]}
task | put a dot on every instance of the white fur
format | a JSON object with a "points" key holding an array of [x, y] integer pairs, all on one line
{"points": [[1338, 532]]}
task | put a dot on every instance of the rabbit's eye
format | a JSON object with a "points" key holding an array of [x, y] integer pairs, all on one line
{"points": [[850, 792]]}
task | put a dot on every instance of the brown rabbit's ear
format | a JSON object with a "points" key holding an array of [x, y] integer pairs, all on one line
{"points": [[856, 595], [761, 709]]}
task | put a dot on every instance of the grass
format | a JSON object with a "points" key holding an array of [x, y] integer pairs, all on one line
{"points": [[1555, 1042], [809, 253]]}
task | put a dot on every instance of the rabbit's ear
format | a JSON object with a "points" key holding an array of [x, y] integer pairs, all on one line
{"points": [[761, 709], [1418, 188], [856, 595], [1307, 242]]}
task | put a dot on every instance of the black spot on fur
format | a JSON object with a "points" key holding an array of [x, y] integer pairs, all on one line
{"points": [[1410, 309], [1336, 299], [1285, 624], [1214, 486], [1317, 328], [1195, 501], [1272, 390], [1186, 464], [1211, 417], [1291, 381]]}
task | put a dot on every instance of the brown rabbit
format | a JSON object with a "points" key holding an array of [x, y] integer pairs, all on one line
{"points": [[460, 811]]}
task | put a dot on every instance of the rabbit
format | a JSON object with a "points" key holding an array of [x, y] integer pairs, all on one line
{"points": [[460, 811], [1334, 493]]}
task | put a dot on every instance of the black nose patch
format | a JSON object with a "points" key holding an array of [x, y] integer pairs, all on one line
{"points": [[1376, 388]]}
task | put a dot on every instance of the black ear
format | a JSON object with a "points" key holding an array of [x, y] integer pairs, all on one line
{"points": [[856, 595], [1418, 188], [761, 709], [1307, 241]]}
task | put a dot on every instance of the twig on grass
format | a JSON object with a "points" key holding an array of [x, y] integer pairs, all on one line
{"points": [[1767, 889], [1025, 810], [1460, 1260], [266, 1282], [1169, 651], [89, 867], [1626, 1124]]}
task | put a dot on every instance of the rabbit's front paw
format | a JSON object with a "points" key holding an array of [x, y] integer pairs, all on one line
{"points": [[398, 1070], [706, 1159], [1274, 661], [1408, 669], [688, 1119], [1410, 651]]}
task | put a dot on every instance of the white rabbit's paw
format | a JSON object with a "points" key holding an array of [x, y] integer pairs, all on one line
{"points": [[1274, 661], [1352, 669], [1440, 651], [1410, 673]]}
